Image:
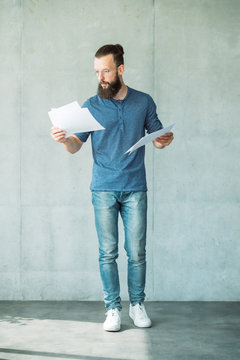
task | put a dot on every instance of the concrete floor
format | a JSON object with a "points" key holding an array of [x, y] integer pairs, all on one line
{"points": [[73, 330]]}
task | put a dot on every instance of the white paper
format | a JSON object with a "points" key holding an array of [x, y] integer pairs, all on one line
{"points": [[148, 138], [73, 119]]}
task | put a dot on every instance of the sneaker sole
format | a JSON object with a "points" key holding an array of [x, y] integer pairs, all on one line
{"points": [[141, 326], [112, 330]]}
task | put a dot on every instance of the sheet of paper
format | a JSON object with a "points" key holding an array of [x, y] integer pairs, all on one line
{"points": [[148, 138], [72, 119]]}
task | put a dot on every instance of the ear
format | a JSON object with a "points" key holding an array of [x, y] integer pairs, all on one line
{"points": [[121, 69]]}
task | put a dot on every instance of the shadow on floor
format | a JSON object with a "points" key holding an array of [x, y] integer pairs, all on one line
{"points": [[55, 355], [17, 311]]}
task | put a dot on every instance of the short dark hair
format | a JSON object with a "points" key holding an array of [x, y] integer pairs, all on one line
{"points": [[115, 50]]}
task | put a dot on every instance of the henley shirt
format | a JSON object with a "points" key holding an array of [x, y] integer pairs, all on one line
{"points": [[125, 122]]}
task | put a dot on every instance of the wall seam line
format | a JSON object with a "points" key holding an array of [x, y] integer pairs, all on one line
{"points": [[153, 152], [20, 134]]}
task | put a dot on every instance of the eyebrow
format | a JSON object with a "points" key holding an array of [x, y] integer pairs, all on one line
{"points": [[102, 69]]}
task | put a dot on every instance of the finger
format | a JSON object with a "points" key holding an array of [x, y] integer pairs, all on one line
{"points": [[59, 137], [56, 129], [166, 136], [164, 142], [58, 132], [162, 138], [167, 143]]}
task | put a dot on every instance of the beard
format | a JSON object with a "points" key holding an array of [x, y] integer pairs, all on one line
{"points": [[112, 89]]}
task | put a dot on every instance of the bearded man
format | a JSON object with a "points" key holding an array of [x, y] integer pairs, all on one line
{"points": [[118, 183]]}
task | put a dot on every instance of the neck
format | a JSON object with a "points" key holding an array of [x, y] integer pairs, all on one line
{"points": [[122, 92]]}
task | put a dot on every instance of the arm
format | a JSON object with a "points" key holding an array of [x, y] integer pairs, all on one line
{"points": [[152, 123], [163, 141], [72, 144]]}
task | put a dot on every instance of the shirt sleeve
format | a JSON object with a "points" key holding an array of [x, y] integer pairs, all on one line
{"points": [[152, 122], [83, 136]]}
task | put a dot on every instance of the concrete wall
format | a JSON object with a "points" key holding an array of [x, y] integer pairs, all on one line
{"points": [[186, 54]]}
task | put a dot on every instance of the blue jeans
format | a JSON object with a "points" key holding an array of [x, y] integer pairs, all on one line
{"points": [[132, 207]]}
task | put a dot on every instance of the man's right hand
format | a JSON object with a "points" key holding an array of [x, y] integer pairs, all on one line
{"points": [[58, 135], [72, 144]]}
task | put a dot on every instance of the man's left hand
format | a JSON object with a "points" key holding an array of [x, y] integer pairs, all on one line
{"points": [[163, 140]]}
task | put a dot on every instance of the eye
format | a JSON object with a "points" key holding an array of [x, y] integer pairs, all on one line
{"points": [[103, 72]]}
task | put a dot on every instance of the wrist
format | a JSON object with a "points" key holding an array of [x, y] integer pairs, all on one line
{"points": [[66, 141]]}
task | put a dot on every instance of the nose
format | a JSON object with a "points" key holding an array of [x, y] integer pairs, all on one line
{"points": [[101, 76]]}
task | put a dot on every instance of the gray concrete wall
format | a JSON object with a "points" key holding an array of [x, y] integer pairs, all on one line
{"points": [[186, 54]]}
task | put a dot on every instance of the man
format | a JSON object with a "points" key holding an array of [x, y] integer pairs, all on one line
{"points": [[119, 181]]}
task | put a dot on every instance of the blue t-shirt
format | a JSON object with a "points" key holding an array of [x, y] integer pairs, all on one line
{"points": [[125, 122]]}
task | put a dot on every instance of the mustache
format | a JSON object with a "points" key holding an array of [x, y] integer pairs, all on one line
{"points": [[108, 92]]}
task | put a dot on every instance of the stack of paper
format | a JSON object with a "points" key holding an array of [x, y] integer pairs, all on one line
{"points": [[148, 138], [73, 119]]}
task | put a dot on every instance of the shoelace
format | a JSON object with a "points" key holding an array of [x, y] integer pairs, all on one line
{"points": [[141, 311], [112, 314]]}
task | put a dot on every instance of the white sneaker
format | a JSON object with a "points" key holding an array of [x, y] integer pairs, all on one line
{"points": [[113, 320], [139, 315]]}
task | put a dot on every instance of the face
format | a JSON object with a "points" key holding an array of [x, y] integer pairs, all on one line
{"points": [[108, 76]]}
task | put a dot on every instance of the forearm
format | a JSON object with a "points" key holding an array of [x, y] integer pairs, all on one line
{"points": [[72, 144]]}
